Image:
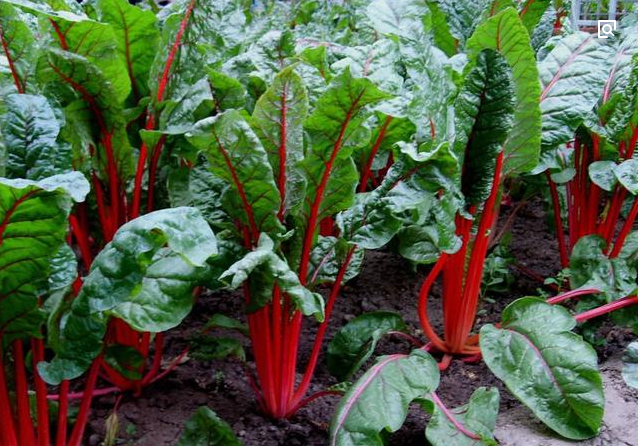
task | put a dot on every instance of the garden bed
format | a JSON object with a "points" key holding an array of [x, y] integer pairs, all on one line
{"points": [[386, 282]]}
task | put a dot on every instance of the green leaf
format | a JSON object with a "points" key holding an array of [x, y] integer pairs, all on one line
{"points": [[627, 174], [18, 41], [144, 276], [379, 400], [221, 321], [589, 265], [531, 11], [356, 341], [478, 416], [630, 365], [137, 39], [264, 263], [205, 428], [33, 226], [336, 128], [95, 42], [602, 174], [236, 155], [125, 360], [277, 120], [272, 53], [572, 75], [227, 91], [462, 16], [30, 129], [64, 269], [78, 81], [205, 347], [505, 33], [484, 118], [328, 256], [546, 366], [399, 18], [442, 35]]}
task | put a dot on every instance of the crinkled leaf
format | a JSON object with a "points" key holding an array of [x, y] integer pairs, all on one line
{"points": [[269, 266], [328, 256], [236, 155], [272, 53], [336, 128], [137, 39], [18, 41], [277, 120], [33, 226], [397, 17], [144, 276], [227, 91], [205, 428], [602, 174], [462, 16], [30, 129], [478, 417], [64, 269], [627, 174], [484, 118], [572, 75], [379, 400], [505, 33], [546, 366], [356, 341]]}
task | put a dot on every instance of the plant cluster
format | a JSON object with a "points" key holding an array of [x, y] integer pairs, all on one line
{"points": [[148, 155]]}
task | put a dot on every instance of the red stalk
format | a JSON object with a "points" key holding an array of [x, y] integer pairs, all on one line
{"points": [[63, 409], [82, 240], [8, 430], [608, 308], [153, 171], [571, 294], [85, 404], [25, 423], [162, 85], [422, 304], [557, 213], [628, 225], [37, 353], [366, 173], [315, 352]]}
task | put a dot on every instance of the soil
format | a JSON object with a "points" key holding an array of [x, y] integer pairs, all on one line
{"points": [[386, 281]]}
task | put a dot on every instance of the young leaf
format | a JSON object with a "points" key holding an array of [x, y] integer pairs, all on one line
{"points": [[379, 400], [531, 11], [505, 33], [484, 118], [144, 276], [477, 417], [546, 366], [30, 129], [236, 155], [136, 39], [18, 43], [627, 174], [205, 428], [602, 174], [572, 75], [356, 341], [277, 120], [33, 226]]}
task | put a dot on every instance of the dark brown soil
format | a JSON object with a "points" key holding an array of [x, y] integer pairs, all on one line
{"points": [[386, 282]]}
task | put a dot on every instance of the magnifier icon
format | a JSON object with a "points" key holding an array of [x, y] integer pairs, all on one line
{"points": [[606, 28]]}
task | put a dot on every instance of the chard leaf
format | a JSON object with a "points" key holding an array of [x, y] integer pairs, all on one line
{"points": [[531, 11], [328, 256], [236, 155], [277, 120], [95, 42], [484, 118], [137, 39], [546, 366], [78, 81], [572, 75], [33, 226], [30, 129], [505, 33], [478, 417], [602, 174], [269, 269], [442, 35], [18, 43], [356, 341], [398, 18], [227, 91], [462, 16], [379, 400], [205, 428], [627, 174], [272, 53], [144, 276], [336, 128]]}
